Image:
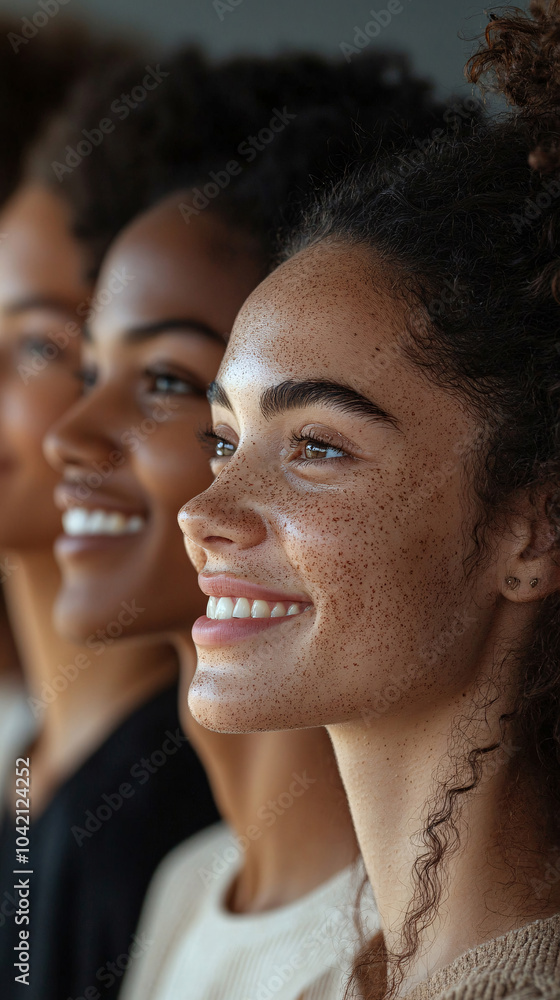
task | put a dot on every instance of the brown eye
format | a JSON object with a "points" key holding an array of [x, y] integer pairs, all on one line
{"points": [[320, 450]]}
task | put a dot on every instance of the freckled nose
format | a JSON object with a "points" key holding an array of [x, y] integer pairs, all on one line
{"points": [[209, 522]]}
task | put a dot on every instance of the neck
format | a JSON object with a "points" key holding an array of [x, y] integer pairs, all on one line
{"points": [[270, 787], [391, 767], [78, 694]]}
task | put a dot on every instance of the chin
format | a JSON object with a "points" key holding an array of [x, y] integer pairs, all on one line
{"points": [[221, 700]]}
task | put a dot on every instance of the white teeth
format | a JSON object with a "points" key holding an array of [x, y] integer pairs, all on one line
{"points": [[81, 521], [135, 524], [224, 608], [260, 609]]}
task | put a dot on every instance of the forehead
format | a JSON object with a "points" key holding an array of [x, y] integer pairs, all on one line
{"points": [[38, 254], [326, 307], [172, 266]]}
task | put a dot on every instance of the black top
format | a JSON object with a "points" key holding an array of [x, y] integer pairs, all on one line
{"points": [[92, 853]]}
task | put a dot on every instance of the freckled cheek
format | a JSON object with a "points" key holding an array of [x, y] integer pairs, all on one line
{"points": [[354, 561], [330, 552]]}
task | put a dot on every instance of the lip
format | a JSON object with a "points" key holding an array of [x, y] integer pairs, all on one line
{"points": [[66, 546], [222, 585], [213, 632]]}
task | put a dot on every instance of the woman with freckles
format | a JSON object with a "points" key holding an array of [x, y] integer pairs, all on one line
{"points": [[100, 709], [386, 462], [266, 903]]}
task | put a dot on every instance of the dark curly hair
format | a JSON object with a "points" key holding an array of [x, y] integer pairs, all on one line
{"points": [[36, 75], [200, 116], [480, 214]]}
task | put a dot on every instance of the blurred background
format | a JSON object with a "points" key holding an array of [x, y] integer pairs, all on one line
{"points": [[437, 33]]}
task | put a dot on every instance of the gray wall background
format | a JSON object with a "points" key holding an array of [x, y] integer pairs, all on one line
{"points": [[430, 30]]}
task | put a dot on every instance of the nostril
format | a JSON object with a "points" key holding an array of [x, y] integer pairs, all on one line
{"points": [[216, 539]]}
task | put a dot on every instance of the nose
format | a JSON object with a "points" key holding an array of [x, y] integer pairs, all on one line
{"points": [[84, 434], [217, 521]]}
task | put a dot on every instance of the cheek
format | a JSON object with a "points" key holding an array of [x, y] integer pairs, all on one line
{"points": [[378, 574], [27, 411], [172, 467]]}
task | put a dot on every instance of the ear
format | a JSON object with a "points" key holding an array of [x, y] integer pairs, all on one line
{"points": [[529, 562]]}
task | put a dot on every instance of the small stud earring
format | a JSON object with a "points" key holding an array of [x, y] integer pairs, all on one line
{"points": [[512, 582], [534, 581]]}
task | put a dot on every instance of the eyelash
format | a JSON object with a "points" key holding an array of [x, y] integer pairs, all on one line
{"points": [[298, 439], [209, 440]]}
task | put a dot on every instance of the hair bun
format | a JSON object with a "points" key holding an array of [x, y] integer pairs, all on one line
{"points": [[521, 60]]}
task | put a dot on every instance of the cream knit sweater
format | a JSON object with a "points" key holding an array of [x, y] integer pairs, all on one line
{"points": [[521, 965], [198, 950]]}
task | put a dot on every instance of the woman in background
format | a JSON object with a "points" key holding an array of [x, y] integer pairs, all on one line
{"points": [[106, 717], [34, 81], [267, 903], [386, 453]]}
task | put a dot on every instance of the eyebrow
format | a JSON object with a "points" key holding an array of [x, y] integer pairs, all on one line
{"points": [[180, 324], [40, 302], [290, 395]]}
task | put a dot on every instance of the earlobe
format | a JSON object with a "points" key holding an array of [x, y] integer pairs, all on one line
{"points": [[532, 563]]}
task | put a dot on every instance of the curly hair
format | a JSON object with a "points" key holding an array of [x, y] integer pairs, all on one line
{"points": [[480, 214], [202, 114], [36, 76]]}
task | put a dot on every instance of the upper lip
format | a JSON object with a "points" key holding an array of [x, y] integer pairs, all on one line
{"points": [[222, 585], [68, 495]]}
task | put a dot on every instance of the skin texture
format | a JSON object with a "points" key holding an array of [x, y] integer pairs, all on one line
{"points": [[43, 300], [201, 272], [398, 643]]}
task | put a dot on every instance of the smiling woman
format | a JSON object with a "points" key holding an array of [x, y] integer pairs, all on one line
{"points": [[420, 526]]}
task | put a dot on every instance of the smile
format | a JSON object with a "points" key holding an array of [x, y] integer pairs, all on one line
{"points": [[223, 608], [78, 521]]}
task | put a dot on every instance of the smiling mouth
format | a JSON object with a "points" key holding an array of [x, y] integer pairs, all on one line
{"points": [[224, 608], [80, 522]]}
